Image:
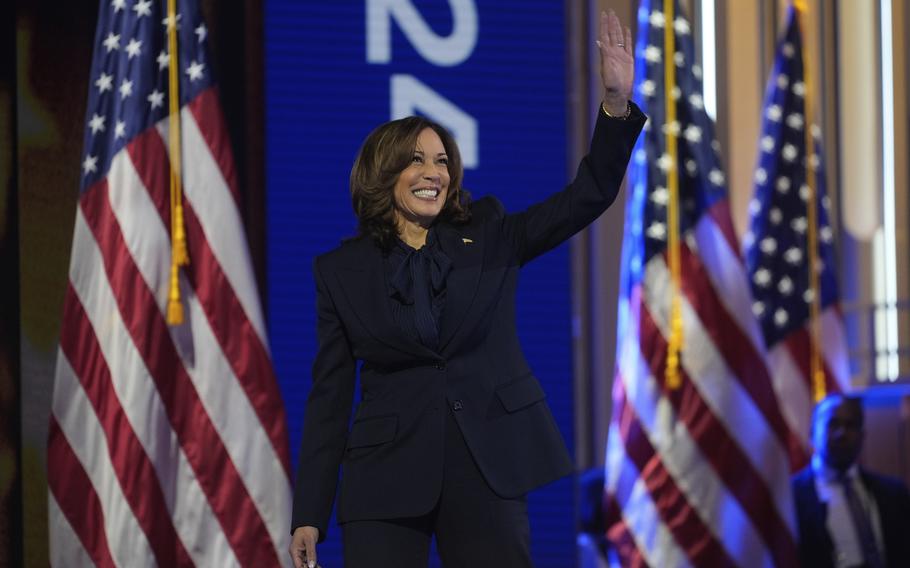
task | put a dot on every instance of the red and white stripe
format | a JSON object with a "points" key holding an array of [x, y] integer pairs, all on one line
{"points": [[700, 474], [168, 444]]}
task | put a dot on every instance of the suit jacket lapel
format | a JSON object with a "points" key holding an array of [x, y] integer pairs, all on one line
{"points": [[465, 248], [366, 288]]}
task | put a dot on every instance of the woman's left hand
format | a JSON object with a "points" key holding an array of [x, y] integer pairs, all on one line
{"points": [[617, 65]]}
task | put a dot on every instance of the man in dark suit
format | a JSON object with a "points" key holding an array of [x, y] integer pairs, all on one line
{"points": [[846, 515]]}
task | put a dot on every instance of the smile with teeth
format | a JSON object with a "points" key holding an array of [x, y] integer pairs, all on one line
{"points": [[426, 193]]}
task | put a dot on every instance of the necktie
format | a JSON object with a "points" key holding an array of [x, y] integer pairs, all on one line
{"points": [[862, 524]]}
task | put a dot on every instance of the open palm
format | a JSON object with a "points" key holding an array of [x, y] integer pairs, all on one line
{"points": [[617, 65]]}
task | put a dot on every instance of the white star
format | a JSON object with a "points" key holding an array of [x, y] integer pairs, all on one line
{"points": [[671, 128], [675, 93], [825, 234], [761, 176], [780, 317], [782, 184], [96, 123], [641, 156], [773, 113], [785, 286], [163, 60], [692, 133], [696, 101], [799, 225], [775, 216], [90, 164], [104, 82], [789, 152], [782, 81], [762, 277], [691, 167], [134, 48], [804, 192], [799, 89], [808, 295], [748, 240], [111, 42], [768, 245], [681, 26], [696, 70], [126, 88], [814, 162], [201, 31], [170, 22], [758, 308], [156, 97], [795, 121], [652, 54], [647, 88], [194, 71], [656, 19], [679, 59], [716, 177], [715, 145], [767, 144], [793, 255], [754, 207], [826, 202], [118, 5], [660, 196], [788, 50], [665, 162], [143, 8], [656, 230], [120, 129], [816, 131]]}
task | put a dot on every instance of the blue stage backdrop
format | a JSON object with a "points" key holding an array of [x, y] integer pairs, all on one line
{"points": [[495, 75]]}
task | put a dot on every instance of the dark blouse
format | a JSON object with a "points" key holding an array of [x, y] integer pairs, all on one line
{"points": [[417, 288]]}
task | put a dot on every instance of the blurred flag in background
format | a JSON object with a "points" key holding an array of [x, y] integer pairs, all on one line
{"points": [[167, 443], [697, 473]]}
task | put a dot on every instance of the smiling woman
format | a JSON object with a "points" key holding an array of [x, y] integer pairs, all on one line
{"points": [[453, 428], [408, 172]]}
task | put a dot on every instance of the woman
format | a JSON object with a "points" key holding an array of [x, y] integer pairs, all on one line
{"points": [[452, 430]]}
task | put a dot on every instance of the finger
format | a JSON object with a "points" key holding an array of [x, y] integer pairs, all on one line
{"points": [[310, 545], [628, 41], [296, 556], [615, 28], [604, 30]]}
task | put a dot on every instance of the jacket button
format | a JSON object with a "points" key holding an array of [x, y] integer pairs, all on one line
{"points": [[457, 405], [441, 366]]}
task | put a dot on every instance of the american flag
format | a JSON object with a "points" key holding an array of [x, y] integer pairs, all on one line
{"points": [[167, 444], [696, 475], [776, 247]]}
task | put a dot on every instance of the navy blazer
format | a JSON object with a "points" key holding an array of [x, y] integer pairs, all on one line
{"points": [[816, 549], [392, 457]]}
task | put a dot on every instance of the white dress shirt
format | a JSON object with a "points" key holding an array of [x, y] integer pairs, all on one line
{"points": [[847, 549]]}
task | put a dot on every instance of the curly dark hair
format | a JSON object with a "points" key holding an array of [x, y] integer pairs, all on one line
{"points": [[387, 152]]}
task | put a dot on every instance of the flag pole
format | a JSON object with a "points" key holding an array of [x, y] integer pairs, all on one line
{"points": [[179, 256], [811, 166], [675, 341]]}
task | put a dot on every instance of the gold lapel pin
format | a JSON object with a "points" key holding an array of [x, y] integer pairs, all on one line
{"points": [[466, 240]]}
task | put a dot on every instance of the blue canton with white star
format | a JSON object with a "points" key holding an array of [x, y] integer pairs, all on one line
{"points": [[128, 86], [776, 246], [701, 180]]}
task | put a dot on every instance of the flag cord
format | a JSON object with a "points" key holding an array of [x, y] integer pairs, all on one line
{"points": [[179, 256], [812, 164], [674, 344]]}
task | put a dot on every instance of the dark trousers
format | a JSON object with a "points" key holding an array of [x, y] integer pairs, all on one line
{"points": [[473, 526]]}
